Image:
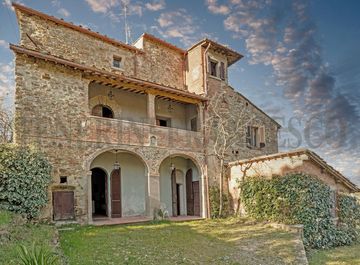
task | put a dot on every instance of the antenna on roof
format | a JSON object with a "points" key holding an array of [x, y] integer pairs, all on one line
{"points": [[127, 28]]}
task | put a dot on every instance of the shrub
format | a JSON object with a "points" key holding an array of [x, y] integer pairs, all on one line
{"points": [[214, 193], [36, 256], [24, 179], [302, 199]]}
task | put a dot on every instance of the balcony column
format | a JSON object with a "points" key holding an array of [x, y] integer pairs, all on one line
{"points": [[200, 116], [151, 116]]}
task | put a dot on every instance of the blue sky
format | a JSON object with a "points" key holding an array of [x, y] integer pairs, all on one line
{"points": [[301, 61]]}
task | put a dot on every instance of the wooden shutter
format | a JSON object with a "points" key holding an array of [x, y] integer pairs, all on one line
{"points": [[63, 205], [116, 193], [262, 136], [209, 65], [196, 195], [174, 193], [189, 193], [222, 71]]}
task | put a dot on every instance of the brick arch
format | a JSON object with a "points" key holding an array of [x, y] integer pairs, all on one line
{"points": [[184, 155], [105, 101], [94, 155]]}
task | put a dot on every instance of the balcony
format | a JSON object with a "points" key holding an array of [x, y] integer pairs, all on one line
{"points": [[114, 131]]}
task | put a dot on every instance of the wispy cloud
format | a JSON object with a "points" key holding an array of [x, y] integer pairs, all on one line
{"points": [[177, 24], [63, 12], [155, 5], [7, 84], [282, 35], [3, 43], [215, 8]]}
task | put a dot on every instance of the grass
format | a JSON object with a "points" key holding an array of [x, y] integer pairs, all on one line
{"points": [[24, 234], [348, 255], [198, 242]]}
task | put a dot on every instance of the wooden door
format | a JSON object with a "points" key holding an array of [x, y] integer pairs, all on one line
{"points": [[196, 194], [63, 205], [115, 193], [174, 193], [189, 193]]}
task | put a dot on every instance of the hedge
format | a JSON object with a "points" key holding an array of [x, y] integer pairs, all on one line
{"points": [[24, 178], [302, 199]]}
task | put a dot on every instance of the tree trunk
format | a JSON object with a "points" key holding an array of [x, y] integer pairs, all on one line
{"points": [[221, 187]]}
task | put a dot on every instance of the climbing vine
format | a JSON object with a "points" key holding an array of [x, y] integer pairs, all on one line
{"points": [[303, 199]]}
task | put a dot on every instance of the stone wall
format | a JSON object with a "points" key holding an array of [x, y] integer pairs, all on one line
{"points": [[52, 114], [161, 64], [250, 115], [158, 63]]}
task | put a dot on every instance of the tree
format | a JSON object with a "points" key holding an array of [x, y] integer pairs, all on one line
{"points": [[226, 124], [6, 126]]}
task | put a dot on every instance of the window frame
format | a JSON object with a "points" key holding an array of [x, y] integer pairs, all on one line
{"points": [[120, 59], [211, 62]]}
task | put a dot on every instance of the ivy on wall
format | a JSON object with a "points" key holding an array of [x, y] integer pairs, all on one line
{"points": [[214, 193], [302, 199], [24, 179]]}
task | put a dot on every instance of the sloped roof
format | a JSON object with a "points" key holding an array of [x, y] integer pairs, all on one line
{"points": [[233, 56], [315, 158]]}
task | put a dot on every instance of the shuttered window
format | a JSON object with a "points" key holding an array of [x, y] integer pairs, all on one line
{"points": [[255, 136], [222, 71]]}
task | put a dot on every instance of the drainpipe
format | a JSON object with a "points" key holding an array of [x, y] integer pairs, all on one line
{"points": [[205, 62]]}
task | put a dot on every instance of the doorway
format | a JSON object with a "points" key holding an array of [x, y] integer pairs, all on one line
{"points": [[99, 192]]}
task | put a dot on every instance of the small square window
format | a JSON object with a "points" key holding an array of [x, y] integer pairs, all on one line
{"points": [[117, 62], [63, 179]]}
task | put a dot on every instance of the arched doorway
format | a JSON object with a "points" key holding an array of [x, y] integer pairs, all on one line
{"points": [[180, 186], [99, 192], [126, 187]]}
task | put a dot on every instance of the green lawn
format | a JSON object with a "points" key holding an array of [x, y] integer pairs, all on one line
{"points": [[198, 242], [24, 234], [349, 255]]}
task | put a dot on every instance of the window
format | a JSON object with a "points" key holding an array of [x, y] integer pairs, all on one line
{"points": [[193, 124], [117, 62], [213, 65], [222, 71], [63, 179], [163, 122], [255, 137], [102, 111]]}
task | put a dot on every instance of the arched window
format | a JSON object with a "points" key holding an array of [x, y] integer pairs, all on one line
{"points": [[102, 111]]}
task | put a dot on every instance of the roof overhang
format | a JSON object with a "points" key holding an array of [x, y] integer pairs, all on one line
{"points": [[312, 156], [113, 79], [231, 55]]}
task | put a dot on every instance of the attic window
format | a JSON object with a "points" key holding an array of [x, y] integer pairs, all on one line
{"points": [[117, 62], [213, 65]]}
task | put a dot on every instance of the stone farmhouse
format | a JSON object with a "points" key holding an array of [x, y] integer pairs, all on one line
{"points": [[124, 126]]}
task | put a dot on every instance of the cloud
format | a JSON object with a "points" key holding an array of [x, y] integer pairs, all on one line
{"points": [[177, 24], [217, 9], [102, 6], [7, 84], [155, 5], [282, 35], [63, 12], [3, 43]]}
